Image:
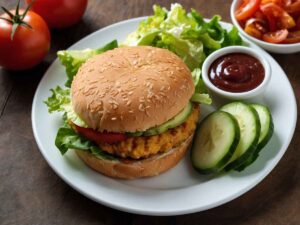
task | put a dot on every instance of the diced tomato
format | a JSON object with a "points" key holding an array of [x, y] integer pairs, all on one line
{"points": [[100, 137], [271, 8], [255, 27], [274, 21], [277, 2], [286, 21], [253, 31], [247, 9], [259, 15], [276, 37], [278, 18], [294, 7], [298, 24], [293, 37], [281, 3]]}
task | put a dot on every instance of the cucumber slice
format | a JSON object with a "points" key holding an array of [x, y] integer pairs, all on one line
{"points": [[174, 122], [215, 142], [249, 124], [266, 123], [266, 132]]}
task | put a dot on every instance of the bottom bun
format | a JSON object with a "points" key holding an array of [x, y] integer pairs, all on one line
{"points": [[130, 168]]}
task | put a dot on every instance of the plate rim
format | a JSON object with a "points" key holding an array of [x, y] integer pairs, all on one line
{"points": [[157, 212]]}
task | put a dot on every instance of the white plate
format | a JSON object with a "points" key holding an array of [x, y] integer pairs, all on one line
{"points": [[181, 190]]}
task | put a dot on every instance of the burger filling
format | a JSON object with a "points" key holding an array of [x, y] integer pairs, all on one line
{"points": [[143, 146]]}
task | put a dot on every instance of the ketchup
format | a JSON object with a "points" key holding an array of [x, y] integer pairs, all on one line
{"points": [[236, 72]]}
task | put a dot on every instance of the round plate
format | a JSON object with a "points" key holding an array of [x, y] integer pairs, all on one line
{"points": [[181, 190]]}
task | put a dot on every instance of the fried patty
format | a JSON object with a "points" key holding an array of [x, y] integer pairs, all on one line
{"points": [[143, 147]]}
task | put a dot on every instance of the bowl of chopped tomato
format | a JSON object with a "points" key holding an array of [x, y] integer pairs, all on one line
{"points": [[272, 24]]}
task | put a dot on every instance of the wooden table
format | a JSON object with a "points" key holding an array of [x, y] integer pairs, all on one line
{"points": [[31, 193]]}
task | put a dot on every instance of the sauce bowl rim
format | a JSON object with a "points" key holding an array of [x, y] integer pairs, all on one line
{"points": [[236, 95]]}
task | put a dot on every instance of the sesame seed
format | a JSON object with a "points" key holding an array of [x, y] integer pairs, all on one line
{"points": [[114, 118], [141, 107]]}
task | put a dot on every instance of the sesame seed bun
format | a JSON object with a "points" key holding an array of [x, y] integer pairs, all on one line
{"points": [[131, 169], [131, 89]]}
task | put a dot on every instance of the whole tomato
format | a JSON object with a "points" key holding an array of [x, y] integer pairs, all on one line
{"points": [[59, 13], [24, 39]]}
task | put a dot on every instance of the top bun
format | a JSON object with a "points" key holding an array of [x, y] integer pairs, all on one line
{"points": [[131, 89]]}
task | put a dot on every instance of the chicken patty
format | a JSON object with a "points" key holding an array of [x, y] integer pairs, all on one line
{"points": [[143, 147]]}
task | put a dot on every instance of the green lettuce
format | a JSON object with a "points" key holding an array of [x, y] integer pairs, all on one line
{"points": [[60, 101], [67, 138], [73, 59], [200, 95], [188, 35]]}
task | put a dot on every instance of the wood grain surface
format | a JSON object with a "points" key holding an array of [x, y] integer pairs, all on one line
{"points": [[31, 193]]}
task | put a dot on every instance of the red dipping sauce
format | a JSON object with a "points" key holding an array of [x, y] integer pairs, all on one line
{"points": [[236, 72]]}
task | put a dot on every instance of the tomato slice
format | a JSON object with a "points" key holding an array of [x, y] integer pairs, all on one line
{"points": [[276, 37], [259, 15], [286, 21], [271, 8], [253, 31], [294, 7], [281, 3], [293, 37], [277, 17], [298, 23], [100, 137], [247, 9], [255, 27]]}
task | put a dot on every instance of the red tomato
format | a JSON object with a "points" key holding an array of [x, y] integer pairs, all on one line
{"points": [[281, 3], [278, 18], [99, 137], [255, 27], [28, 46], [293, 37], [59, 13], [259, 15], [253, 31], [247, 9], [276, 37], [294, 7], [298, 23]]}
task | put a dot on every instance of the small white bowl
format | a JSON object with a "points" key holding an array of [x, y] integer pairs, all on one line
{"points": [[275, 48], [220, 95]]}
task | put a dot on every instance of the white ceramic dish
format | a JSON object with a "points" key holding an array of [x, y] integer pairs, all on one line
{"points": [[180, 190], [275, 48], [256, 92]]}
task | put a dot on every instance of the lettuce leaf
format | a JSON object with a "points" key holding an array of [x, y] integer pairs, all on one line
{"points": [[59, 98], [190, 52], [60, 101], [188, 35], [73, 59], [200, 95], [67, 138]]}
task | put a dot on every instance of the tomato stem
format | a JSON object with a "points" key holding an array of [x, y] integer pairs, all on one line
{"points": [[17, 19]]}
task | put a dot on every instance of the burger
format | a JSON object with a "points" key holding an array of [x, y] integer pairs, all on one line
{"points": [[136, 106]]}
